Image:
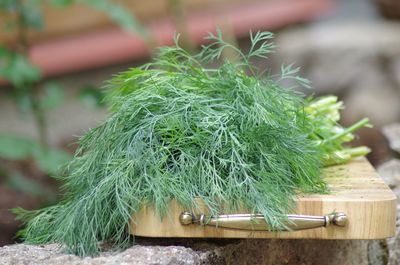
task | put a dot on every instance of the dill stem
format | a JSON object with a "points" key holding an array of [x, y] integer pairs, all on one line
{"points": [[358, 151], [321, 103], [362, 123], [40, 121]]}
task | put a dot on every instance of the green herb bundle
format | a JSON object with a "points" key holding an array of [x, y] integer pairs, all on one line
{"points": [[181, 131]]}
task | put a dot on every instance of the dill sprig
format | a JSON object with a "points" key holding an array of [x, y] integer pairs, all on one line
{"points": [[181, 131]]}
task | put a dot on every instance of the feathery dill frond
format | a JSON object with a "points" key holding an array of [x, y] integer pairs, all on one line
{"points": [[181, 131]]}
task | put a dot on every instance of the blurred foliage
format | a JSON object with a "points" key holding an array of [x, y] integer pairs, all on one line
{"points": [[53, 96], [17, 69], [91, 97], [119, 15], [14, 148], [35, 96], [16, 181], [20, 148]]}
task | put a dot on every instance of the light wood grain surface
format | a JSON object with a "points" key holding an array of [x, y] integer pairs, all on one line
{"points": [[356, 190]]}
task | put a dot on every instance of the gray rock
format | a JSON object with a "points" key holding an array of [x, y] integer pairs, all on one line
{"points": [[395, 70], [332, 252], [378, 252], [358, 61], [394, 243], [379, 103], [51, 254], [390, 173], [338, 56], [392, 133]]}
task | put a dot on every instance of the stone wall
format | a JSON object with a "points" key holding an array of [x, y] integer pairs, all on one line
{"points": [[263, 252]]}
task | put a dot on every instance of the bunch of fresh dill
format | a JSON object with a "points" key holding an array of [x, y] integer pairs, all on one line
{"points": [[181, 131]]}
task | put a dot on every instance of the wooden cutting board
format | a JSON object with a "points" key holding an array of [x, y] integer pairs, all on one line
{"points": [[356, 189]]}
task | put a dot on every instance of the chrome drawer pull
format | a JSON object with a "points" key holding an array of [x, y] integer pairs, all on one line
{"points": [[256, 222]]}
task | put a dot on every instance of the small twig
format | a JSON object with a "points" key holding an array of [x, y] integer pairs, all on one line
{"points": [[31, 89]]}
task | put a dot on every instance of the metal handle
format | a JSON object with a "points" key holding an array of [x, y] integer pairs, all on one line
{"points": [[256, 222]]}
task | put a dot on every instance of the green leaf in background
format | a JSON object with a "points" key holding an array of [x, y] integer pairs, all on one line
{"points": [[19, 182], [23, 101], [8, 5], [9, 26], [18, 148], [61, 3], [53, 96], [32, 14], [121, 16], [3, 53], [17, 69], [15, 148], [50, 160], [91, 97]]}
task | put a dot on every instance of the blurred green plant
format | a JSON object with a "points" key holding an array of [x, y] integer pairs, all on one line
{"points": [[31, 93], [14, 180], [91, 96]]}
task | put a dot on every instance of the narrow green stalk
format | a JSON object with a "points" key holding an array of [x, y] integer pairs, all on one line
{"points": [[40, 121], [321, 103], [29, 88], [362, 123], [358, 151]]}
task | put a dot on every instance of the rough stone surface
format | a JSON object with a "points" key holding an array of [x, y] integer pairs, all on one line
{"points": [[378, 252], [390, 172], [229, 252], [140, 255], [394, 243]]}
